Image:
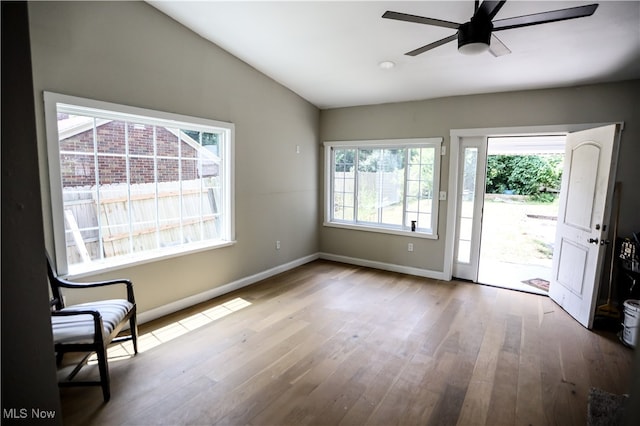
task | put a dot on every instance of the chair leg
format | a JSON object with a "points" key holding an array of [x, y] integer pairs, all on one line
{"points": [[104, 373], [133, 325]]}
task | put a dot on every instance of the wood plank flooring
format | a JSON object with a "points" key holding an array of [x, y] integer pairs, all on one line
{"points": [[335, 344]]}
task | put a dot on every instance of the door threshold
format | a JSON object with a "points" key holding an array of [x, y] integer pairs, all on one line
{"points": [[523, 288]]}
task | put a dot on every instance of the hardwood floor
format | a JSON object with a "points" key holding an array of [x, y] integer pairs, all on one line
{"points": [[336, 344]]}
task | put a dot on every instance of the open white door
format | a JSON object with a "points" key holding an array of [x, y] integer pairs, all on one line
{"points": [[579, 251]]}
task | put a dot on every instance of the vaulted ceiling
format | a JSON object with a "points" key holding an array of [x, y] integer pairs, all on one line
{"points": [[329, 52]]}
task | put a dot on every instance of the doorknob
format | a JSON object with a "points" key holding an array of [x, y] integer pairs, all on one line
{"points": [[593, 240]]}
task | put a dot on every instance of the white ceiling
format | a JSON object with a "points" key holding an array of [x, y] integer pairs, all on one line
{"points": [[328, 52]]}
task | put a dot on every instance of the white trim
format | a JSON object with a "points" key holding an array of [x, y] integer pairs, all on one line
{"points": [[189, 301], [554, 129], [54, 102], [470, 270], [380, 229], [131, 113], [456, 135], [392, 143], [419, 272], [452, 206], [434, 142], [55, 184], [81, 127]]}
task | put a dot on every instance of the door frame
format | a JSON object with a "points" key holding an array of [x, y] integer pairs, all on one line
{"points": [[470, 270], [456, 136]]}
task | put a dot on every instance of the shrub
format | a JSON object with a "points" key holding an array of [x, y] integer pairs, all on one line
{"points": [[524, 175]]}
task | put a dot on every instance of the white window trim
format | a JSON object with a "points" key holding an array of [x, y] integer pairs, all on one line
{"points": [[328, 183], [140, 115]]}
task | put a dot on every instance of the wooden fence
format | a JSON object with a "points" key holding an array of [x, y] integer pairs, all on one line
{"points": [[123, 219]]}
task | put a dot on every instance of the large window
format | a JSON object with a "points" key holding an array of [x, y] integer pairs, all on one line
{"points": [[131, 185], [387, 186]]}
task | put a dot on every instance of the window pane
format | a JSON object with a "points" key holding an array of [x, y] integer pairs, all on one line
{"points": [[81, 224], [168, 171], [419, 202], [384, 186], [391, 178], [112, 171], [169, 198], [464, 251], [78, 175], [344, 185], [465, 228], [368, 195], [77, 170], [380, 185], [467, 198], [75, 133], [140, 139], [131, 186], [211, 204], [168, 144], [113, 195], [144, 218], [111, 136]]}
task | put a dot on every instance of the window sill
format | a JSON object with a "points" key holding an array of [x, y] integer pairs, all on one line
{"points": [[380, 230], [95, 268]]}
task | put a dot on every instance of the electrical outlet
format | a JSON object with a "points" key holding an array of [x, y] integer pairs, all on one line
{"points": [[410, 247], [278, 245]]}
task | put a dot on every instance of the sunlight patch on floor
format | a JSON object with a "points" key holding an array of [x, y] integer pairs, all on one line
{"points": [[176, 329]]}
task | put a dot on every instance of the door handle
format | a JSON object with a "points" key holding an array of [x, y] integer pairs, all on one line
{"points": [[593, 240]]}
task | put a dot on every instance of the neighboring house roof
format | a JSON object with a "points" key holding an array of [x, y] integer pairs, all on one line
{"points": [[75, 125]]}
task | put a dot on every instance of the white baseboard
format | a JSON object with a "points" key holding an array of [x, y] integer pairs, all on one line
{"points": [[172, 307], [385, 266], [187, 302]]}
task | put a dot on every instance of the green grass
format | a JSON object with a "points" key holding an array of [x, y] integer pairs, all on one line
{"points": [[510, 234]]}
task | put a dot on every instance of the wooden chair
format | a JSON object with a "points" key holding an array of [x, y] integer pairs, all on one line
{"points": [[90, 327]]}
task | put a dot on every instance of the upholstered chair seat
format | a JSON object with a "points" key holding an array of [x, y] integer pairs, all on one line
{"points": [[81, 328]]}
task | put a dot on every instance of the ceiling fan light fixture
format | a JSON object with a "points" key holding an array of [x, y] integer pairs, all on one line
{"points": [[473, 48], [474, 37]]}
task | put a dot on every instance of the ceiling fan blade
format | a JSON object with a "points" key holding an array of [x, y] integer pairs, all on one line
{"points": [[490, 8], [497, 47], [432, 45], [545, 17], [419, 19]]}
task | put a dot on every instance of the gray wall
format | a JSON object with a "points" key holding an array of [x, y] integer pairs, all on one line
{"points": [[132, 54], [129, 53], [588, 104]]}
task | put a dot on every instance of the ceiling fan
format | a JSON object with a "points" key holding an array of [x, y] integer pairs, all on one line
{"points": [[477, 36]]}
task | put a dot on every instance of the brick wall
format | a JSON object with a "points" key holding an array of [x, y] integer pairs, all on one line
{"points": [[78, 169]]}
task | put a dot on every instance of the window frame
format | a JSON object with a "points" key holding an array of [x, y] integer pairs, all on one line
{"points": [[101, 109], [329, 169]]}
